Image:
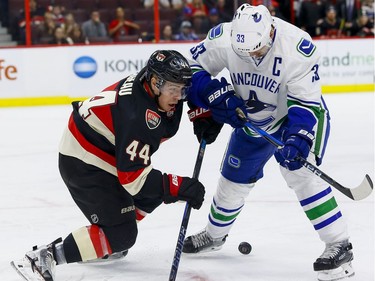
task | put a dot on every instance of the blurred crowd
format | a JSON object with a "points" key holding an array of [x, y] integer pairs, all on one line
{"points": [[89, 21]]}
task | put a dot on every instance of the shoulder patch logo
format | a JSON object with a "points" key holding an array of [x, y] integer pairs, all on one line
{"points": [[215, 32], [153, 119], [305, 47]]}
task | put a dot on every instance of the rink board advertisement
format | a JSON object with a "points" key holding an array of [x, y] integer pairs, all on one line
{"points": [[52, 74]]}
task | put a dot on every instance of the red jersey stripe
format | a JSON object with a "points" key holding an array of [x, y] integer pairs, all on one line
{"points": [[110, 159], [104, 115], [128, 177]]}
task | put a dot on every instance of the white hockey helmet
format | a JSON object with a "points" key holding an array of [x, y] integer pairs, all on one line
{"points": [[251, 28]]}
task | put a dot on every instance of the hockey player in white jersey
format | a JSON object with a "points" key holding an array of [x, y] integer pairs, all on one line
{"points": [[274, 71]]}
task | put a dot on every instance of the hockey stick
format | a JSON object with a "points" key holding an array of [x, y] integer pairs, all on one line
{"points": [[357, 193], [185, 218]]}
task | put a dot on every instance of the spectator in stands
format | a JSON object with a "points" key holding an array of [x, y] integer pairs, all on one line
{"points": [[199, 15], [186, 32], [225, 9], [367, 8], [331, 26], [311, 11], [166, 4], [200, 24], [36, 14], [167, 34], [120, 27], [348, 11], [209, 3], [60, 38], [45, 32], [37, 18], [184, 16], [275, 12], [94, 28], [69, 24], [58, 14], [77, 35], [197, 8], [212, 20], [363, 27]]}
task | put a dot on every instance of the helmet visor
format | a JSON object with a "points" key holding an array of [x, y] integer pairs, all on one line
{"points": [[174, 89]]}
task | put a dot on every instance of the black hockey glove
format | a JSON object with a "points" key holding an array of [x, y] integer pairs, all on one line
{"points": [[183, 188], [204, 125]]}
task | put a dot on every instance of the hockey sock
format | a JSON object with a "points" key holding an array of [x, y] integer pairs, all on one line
{"points": [[320, 206], [323, 212], [86, 243], [226, 206]]}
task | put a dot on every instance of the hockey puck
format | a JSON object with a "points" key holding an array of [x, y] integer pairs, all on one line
{"points": [[244, 248]]}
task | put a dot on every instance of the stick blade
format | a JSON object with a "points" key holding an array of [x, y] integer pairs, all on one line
{"points": [[363, 190]]}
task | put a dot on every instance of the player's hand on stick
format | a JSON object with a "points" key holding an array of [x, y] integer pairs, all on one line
{"points": [[298, 142], [220, 98], [183, 188], [204, 125]]}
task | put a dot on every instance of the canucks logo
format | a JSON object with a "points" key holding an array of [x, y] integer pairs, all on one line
{"points": [[254, 105], [215, 32], [85, 67], [234, 161], [257, 17], [306, 47]]}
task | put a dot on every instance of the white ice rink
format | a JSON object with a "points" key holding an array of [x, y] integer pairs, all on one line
{"points": [[36, 208]]}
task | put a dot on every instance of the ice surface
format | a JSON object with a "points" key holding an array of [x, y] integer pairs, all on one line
{"points": [[36, 208]]}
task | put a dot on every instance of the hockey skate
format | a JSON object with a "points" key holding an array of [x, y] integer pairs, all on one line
{"points": [[38, 264], [202, 242], [335, 262]]}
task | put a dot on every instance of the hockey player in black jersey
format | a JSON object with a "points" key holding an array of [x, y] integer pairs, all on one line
{"points": [[105, 161]]}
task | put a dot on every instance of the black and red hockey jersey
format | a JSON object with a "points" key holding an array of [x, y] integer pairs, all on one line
{"points": [[118, 130]]}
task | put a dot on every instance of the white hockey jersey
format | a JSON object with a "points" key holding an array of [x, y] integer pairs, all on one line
{"points": [[286, 77]]}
